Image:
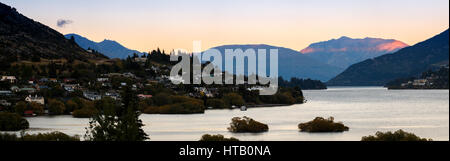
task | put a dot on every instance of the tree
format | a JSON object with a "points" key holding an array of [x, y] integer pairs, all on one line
{"points": [[118, 122], [36, 107], [12, 122], [71, 106], [20, 107], [231, 99], [398, 135], [56, 107]]}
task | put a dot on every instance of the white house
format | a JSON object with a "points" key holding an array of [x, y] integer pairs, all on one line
{"points": [[92, 96], [36, 99], [10, 79]]}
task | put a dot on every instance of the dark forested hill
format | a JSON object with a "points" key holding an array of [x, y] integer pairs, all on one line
{"points": [[22, 38], [407, 62]]}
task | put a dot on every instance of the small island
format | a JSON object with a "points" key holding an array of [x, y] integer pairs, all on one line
{"points": [[218, 137], [398, 135], [246, 124], [320, 124]]}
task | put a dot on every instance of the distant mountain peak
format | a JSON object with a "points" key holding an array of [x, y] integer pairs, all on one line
{"points": [[344, 38], [346, 51], [406, 62], [110, 48]]}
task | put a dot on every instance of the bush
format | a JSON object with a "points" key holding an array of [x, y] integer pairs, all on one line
{"points": [[320, 124], [247, 124], [20, 107], [53, 136], [218, 137], [12, 122], [178, 105], [71, 106], [84, 112], [285, 98], [398, 135], [190, 107], [56, 107], [215, 103], [37, 108], [231, 99]]}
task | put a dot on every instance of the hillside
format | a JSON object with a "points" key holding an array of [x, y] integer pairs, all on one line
{"points": [[346, 51], [109, 48], [292, 63], [22, 38], [407, 62]]}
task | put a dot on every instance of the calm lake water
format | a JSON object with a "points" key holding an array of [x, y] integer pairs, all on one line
{"points": [[364, 109]]}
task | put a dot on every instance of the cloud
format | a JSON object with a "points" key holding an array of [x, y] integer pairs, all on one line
{"points": [[62, 22]]}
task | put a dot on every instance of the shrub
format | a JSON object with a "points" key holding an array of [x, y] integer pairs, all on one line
{"points": [[398, 135], [53, 136], [20, 107], [215, 103], [285, 98], [36, 107], [56, 107], [218, 137], [247, 124], [84, 112], [162, 99], [12, 122], [71, 106], [320, 124], [231, 99], [178, 105], [190, 107]]}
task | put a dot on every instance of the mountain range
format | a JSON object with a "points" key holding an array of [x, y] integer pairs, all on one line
{"points": [[410, 61], [109, 48], [291, 63], [22, 38], [346, 51]]}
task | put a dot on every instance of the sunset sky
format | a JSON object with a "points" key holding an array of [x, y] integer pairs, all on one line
{"points": [[169, 24]]}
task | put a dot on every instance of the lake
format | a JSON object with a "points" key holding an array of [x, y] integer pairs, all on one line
{"points": [[365, 110]]}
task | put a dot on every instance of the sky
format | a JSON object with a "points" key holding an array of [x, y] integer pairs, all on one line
{"points": [[174, 24]]}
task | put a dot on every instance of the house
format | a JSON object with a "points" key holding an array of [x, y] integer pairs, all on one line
{"points": [[5, 103], [43, 80], [43, 87], [36, 99], [143, 96], [5, 93], [54, 80], [10, 79], [27, 89], [70, 87], [69, 80], [102, 79], [29, 113], [420, 82], [140, 60], [113, 94], [92, 96], [15, 89], [129, 75]]}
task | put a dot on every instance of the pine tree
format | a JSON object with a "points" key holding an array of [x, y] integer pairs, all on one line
{"points": [[117, 122]]}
